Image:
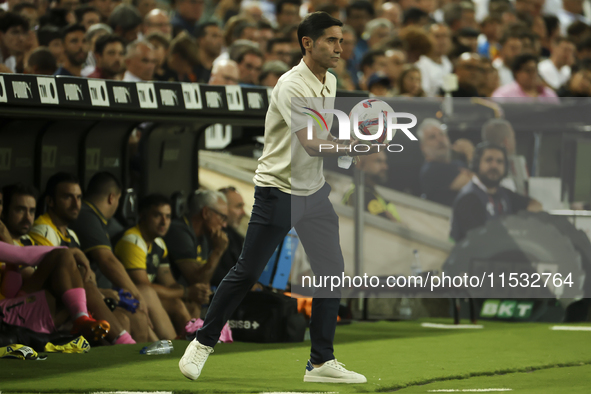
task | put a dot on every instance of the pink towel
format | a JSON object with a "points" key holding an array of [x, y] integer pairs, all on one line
{"points": [[28, 255], [195, 324]]}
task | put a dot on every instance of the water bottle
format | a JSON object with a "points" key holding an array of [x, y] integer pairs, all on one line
{"points": [[159, 347], [415, 267]]}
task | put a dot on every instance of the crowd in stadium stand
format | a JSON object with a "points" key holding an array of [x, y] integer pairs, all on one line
{"points": [[498, 48]]}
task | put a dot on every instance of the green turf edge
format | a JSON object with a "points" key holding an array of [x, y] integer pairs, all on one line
{"points": [[476, 374]]}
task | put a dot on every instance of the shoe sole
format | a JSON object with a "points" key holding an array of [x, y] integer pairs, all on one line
{"points": [[323, 379]]}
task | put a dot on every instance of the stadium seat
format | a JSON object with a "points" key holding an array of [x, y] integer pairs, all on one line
{"points": [[179, 205]]}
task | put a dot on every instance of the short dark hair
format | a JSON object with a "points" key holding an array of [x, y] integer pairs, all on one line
{"points": [[552, 23], [74, 27], [159, 38], [277, 40], [103, 41], [11, 19], [370, 57], [280, 3], [200, 31], [479, 152], [413, 15], [521, 60], [362, 5], [314, 25], [83, 10], [55, 180], [20, 189], [102, 184], [248, 51], [152, 200], [47, 34], [21, 6], [126, 17], [511, 33], [43, 59]]}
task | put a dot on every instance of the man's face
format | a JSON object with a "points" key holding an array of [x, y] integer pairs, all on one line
{"points": [[512, 48], [375, 167], [156, 220], [145, 6], [435, 144], [250, 68], [393, 13], [326, 50], [74, 48], [104, 6], [470, 71], [348, 45], [15, 39], [235, 209], [469, 19], [492, 167], [395, 61], [212, 41], [357, 20], [89, 19], [565, 53], [190, 9], [280, 51], [216, 217], [159, 53], [527, 76], [112, 59], [441, 38], [20, 215], [289, 15], [158, 23], [67, 202], [142, 63], [225, 75]]}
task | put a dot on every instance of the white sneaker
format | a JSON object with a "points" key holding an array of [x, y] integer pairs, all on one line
{"points": [[194, 358], [332, 372]]}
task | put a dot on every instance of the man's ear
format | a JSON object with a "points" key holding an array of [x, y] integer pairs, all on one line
{"points": [[307, 42]]}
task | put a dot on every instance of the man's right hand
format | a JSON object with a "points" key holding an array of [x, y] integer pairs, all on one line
{"points": [[199, 293], [219, 240]]}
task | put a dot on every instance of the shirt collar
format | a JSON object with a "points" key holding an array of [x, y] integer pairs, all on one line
{"points": [[479, 183], [313, 82], [97, 212]]}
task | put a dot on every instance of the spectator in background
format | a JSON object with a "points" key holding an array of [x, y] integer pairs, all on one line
{"points": [[377, 31], [491, 28], [490, 79], [186, 14], [264, 34], [527, 81], [556, 70], [436, 65], [109, 52], [14, 30], [144, 7], [375, 168], [415, 17], [483, 198], [31, 14], [571, 12], [50, 37], [470, 73], [126, 21], [410, 82], [279, 49], [250, 62], [459, 15], [511, 46], [441, 177], [209, 46], [287, 13], [374, 61], [139, 61], [379, 85], [224, 72], [144, 255], [359, 13], [87, 16], [161, 46], [197, 241], [348, 55], [416, 43], [466, 40], [93, 33], [75, 52], [183, 59], [271, 72], [395, 60], [157, 21], [105, 7], [579, 84], [235, 239], [40, 62]]}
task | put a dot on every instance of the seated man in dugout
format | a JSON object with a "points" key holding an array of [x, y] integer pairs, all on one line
{"points": [[98, 207], [63, 198], [197, 241], [36, 293], [145, 256]]}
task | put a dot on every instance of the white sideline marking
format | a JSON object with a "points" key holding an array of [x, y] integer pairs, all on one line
{"points": [[468, 390], [452, 326], [570, 328], [299, 392]]}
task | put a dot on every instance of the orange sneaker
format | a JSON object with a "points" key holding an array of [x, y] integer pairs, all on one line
{"points": [[91, 329]]}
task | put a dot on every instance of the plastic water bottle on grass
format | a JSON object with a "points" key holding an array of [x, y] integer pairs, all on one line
{"points": [[159, 347]]}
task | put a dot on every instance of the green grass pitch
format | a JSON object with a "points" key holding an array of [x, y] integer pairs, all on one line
{"points": [[395, 356]]}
